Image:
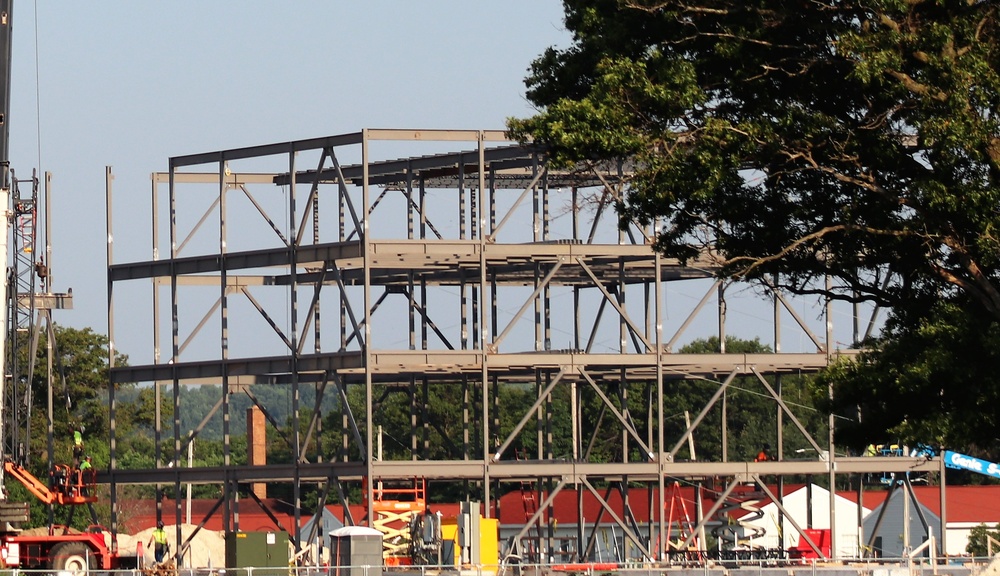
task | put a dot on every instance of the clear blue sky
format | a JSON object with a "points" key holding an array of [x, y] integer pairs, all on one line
{"points": [[130, 84]]}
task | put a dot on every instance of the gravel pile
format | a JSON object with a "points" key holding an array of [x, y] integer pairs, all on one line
{"points": [[207, 550]]}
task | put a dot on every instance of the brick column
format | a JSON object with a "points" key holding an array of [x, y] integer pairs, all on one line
{"points": [[257, 445]]}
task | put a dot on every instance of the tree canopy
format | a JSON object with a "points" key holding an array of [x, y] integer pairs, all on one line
{"points": [[796, 141], [79, 393]]}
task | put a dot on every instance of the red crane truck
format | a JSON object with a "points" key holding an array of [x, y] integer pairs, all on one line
{"points": [[58, 549]]}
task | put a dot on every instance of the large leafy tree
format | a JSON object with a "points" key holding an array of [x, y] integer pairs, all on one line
{"points": [[79, 387], [795, 141], [929, 379]]}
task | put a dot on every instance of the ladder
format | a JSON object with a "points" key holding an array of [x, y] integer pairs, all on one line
{"points": [[678, 513], [529, 499]]}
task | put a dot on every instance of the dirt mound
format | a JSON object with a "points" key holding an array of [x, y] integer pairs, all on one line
{"points": [[207, 550]]}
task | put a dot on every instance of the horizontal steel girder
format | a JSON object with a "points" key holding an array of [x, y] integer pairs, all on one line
{"points": [[521, 470], [442, 262], [397, 365]]}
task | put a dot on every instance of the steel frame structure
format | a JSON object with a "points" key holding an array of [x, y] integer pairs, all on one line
{"points": [[464, 248]]}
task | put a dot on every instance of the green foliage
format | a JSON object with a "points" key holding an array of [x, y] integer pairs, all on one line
{"points": [[751, 411], [846, 138], [920, 381], [79, 394], [853, 140], [978, 546], [734, 345]]}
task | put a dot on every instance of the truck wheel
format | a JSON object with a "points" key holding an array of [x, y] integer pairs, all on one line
{"points": [[74, 558]]}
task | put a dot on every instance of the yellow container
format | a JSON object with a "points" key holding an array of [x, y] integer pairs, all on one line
{"points": [[489, 546]]}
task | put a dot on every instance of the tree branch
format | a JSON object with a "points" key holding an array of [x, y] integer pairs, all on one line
{"points": [[975, 283], [917, 87]]}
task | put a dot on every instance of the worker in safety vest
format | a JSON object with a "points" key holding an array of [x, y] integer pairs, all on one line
{"points": [[159, 541], [764, 455], [77, 445], [84, 475]]}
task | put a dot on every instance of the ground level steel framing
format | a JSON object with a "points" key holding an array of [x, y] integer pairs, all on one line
{"points": [[449, 257]]}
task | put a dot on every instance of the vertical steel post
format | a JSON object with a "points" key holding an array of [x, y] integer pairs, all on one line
{"points": [[477, 231], [155, 233], [44, 316], [546, 292], [832, 458], [366, 345], [224, 323], [776, 302], [112, 446], [6, 44], [294, 297], [722, 350], [483, 337], [174, 343], [944, 504], [658, 303]]}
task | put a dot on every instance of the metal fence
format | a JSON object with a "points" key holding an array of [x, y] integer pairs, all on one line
{"points": [[959, 566]]}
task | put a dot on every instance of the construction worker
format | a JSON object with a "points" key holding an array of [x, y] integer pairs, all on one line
{"points": [[159, 540], [764, 455], [77, 444], [85, 471], [61, 477]]}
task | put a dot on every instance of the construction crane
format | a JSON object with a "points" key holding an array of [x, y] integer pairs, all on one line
{"points": [[5, 76]]}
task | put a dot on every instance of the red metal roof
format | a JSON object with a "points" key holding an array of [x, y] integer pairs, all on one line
{"points": [[515, 507], [137, 515], [965, 504]]}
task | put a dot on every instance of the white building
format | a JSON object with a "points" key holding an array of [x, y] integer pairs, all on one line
{"points": [[965, 508], [769, 531]]}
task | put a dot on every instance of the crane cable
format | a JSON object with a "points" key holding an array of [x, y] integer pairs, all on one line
{"points": [[38, 107], [50, 334]]}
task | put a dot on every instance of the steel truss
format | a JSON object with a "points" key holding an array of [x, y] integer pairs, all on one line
{"points": [[488, 257], [20, 313], [30, 302]]}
